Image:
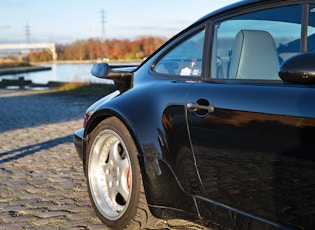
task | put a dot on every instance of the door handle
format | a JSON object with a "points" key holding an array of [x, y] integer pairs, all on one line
{"points": [[195, 106]]}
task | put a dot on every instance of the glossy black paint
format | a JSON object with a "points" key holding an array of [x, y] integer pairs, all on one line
{"points": [[299, 69], [257, 156], [247, 164]]}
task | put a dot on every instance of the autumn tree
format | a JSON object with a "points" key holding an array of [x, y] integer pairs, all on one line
{"points": [[114, 49], [39, 56], [94, 49]]}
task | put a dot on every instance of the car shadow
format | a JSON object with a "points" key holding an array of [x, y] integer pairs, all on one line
{"points": [[31, 149]]}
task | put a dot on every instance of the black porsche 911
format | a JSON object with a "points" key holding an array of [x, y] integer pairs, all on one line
{"points": [[217, 127]]}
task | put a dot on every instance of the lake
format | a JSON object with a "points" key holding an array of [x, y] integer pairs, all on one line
{"points": [[60, 73]]}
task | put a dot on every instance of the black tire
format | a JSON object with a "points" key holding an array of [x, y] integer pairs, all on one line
{"points": [[114, 178]]}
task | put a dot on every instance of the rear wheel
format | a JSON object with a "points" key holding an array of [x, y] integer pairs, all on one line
{"points": [[114, 178]]}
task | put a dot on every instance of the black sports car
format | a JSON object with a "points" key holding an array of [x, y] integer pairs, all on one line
{"points": [[216, 127]]}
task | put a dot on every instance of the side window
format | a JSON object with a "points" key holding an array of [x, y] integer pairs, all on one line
{"points": [[185, 59], [253, 46], [311, 29]]}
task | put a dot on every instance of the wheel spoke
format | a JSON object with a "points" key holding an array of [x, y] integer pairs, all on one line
{"points": [[115, 171], [114, 153], [121, 169], [122, 188], [123, 164]]}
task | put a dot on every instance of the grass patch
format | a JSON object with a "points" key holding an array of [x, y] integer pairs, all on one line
{"points": [[83, 88], [5, 65], [61, 87]]}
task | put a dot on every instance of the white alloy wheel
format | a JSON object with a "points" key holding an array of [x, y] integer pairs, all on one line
{"points": [[110, 174], [114, 178]]}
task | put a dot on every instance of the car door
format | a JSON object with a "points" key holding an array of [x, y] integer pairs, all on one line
{"points": [[252, 134], [177, 67]]}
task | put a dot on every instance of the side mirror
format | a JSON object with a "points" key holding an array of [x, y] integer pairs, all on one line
{"points": [[122, 78], [103, 70], [100, 70], [299, 69]]}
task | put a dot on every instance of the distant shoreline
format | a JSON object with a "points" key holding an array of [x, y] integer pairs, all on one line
{"points": [[24, 69], [39, 66], [86, 61]]}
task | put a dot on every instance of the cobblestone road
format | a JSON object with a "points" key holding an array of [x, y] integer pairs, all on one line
{"points": [[42, 183]]}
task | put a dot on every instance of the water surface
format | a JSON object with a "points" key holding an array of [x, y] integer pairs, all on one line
{"points": [[60, 73]]}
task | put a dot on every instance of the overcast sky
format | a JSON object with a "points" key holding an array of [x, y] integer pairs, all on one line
{"points": [[64, 21]]}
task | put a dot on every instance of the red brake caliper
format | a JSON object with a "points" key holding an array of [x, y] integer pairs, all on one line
{"points": [[128, 179]]}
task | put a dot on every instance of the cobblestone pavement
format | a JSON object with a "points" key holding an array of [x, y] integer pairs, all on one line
{"points": [[42, 183]]}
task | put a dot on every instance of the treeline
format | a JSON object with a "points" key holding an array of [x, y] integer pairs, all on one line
{"points": [[93, 49]]}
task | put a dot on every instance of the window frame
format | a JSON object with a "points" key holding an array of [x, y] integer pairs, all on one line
{"points": [[248, 10], [179, 40]]}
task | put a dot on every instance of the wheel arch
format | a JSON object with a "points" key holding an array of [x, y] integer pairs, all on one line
{"points": [[139, 136], [101, 115]]}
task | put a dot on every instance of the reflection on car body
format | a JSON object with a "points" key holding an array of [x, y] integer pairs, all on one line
{"points": [[217, 127]]}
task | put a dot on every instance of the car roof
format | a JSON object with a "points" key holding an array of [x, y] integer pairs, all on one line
{"points": [[229, 7], [241, 4]]}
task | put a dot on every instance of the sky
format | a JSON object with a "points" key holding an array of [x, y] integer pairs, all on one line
{"points": [[65, 21]]}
